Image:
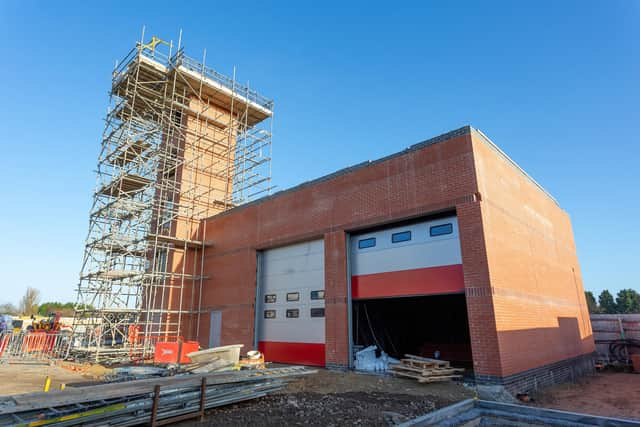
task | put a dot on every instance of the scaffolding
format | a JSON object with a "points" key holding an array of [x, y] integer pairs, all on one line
{"points": [[181, 142]]}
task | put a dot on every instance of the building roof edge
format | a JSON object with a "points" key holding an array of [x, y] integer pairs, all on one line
{"points": [[464, 130], [493, 145]]}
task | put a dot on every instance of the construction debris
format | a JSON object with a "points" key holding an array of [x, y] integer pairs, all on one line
{"points": [[366, 360], [215, 359], [166, 399], [217, 365], [424, 369], [131, 373], [230, 353], [253, 360]]}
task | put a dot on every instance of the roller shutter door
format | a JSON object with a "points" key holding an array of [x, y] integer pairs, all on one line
{"points": [[417, 259], [290, 315]]}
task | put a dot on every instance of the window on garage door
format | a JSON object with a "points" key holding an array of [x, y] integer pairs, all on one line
{"points": [[440, 230]]}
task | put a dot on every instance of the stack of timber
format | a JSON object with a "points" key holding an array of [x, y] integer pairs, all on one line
{"points": [[155, 401], [425, 370]]}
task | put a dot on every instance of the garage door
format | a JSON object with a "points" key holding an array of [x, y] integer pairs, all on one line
{"points": [[291, 304], [417, 259]]}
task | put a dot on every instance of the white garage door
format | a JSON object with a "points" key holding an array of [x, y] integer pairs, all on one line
{"points": [[290, 304], [408, 260]]}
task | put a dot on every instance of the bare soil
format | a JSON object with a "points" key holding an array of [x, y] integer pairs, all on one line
{"points": [[331, 398], [609, 394], [26, 378], [332, 409]]}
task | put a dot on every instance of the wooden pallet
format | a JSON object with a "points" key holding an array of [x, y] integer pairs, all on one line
{"points": [[424, 369], [424, 362], [423, 379]]}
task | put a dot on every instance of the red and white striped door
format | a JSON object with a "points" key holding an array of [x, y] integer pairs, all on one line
{"points": [[290, 309], [418, 259]]}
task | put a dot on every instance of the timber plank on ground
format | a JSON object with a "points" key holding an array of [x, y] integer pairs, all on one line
{"points": [[426, 363], [426, 372], [423, 379]]}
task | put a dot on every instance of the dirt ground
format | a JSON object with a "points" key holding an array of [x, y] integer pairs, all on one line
{"points": [[26, 378], [610, 394], [337, 398], [332, 398], [331, 381]]}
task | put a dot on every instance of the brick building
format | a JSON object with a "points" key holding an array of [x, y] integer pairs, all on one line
{"points": [[447, 246]]}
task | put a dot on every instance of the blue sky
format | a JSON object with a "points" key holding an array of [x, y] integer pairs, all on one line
{"points": [[554, 84]]}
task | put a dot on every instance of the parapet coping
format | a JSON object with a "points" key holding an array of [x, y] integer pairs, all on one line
{"points": [[489, 142]]}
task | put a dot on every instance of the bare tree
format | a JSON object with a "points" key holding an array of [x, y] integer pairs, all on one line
{"points": [[8, 308], [29, 302]]}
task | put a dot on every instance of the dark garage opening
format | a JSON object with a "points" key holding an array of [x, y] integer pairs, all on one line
{"points": [[415, 325]]}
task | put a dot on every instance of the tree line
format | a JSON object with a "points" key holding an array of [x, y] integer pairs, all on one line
{"points": [[30, 305], [626, 302]]}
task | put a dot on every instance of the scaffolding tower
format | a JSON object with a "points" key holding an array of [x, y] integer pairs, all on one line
{"points": [[181, 142]]}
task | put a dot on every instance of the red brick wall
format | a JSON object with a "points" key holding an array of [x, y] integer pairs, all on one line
{"points": [[418, 182], [336, 301], [230, 287], [525, 305], [484, 340], [536, 289]]}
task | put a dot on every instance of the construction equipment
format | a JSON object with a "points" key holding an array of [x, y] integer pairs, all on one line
{"points": [[16, 325], [5, 322], [42, 340], [50, 324]]}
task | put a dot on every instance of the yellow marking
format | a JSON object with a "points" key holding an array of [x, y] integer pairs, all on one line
{"points": [[47, 384], [75, 416], [155, 41]]}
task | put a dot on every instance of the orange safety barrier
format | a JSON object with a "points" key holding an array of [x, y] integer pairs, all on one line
{"points": [[34, 345]]}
